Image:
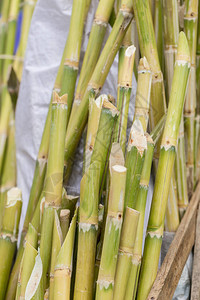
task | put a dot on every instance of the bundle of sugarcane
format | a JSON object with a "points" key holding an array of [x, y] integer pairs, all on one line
{"points": [[95, 251]]}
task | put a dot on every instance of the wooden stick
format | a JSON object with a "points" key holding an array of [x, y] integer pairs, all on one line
{"points": [[173, 264], [195, 291]]}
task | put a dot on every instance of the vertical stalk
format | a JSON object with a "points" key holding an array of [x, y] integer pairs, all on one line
{"points": [[87, 236], [137, 145], [105, 282], [125, 74], [190, 28], [198, 96], [158, 28], [140, 206], [54, 178], [153, 239], [148, 49], [127, 241], [63, 266], [8, 237], [72, 51]]}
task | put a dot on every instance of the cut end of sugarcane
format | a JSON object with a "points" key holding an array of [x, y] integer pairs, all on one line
{"points": [[183, 52], [119, 169], [143, 66], [59, 231], [34, 279], [116, 155], [59, 100], [13, 195], [149, 139], [137, 137], [130, 51], [107, 104], [64, 214]]}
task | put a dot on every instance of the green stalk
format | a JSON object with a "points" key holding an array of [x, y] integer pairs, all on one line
{"points": [[125, 74], [9, 235], [57, 241], [69, 202], [63, 266], [137, 145], [28, 9], [148, 49], [105, 282], [54, 178], [127, 241], [116, 158], [99, 134], [72, 51], [140, 206], [33, 290], [28, 261], [92, 53], [3, 30], [87, 236], [10, 39], [171, 31], [77, 123], [153, 239], [35, 194], [64, 221], [142, 100], [158, 28], [190, 28], [8, 177]]}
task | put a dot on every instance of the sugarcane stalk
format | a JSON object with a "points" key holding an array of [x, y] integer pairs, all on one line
{"points": [[125, 74], [28, 261], [142, 100], [87, 236], [54, 178], [148, 49], [77, 124], [172, 212], [69, 202], [63, 266], [33, 289], [158, 28], [10, 38], [3, 31], [28, 9], [137, 145], [8, 237], [140, 206], [154, 235], [127, 241], [190, 28], [73, 49], [105, 282], [36, 224], [8, 177], [64, 221], [116, 158], [171, 31], [99, 134], [92, 53], [35, 193], [56, 246]]}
